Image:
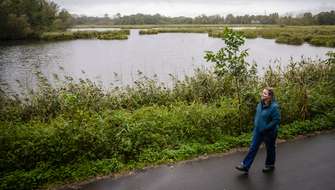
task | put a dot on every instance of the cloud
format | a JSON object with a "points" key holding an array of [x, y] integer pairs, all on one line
{"points": [[193, 7]]}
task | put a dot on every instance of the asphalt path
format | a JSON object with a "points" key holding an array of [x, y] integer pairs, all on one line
{"points": [[307, 163]]}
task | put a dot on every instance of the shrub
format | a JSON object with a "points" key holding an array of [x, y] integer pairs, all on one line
{"points": [[323, 41], [289, 39]]}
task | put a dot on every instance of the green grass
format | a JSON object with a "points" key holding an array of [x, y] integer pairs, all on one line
{"points": [[148, 32], [323, 40], [115, 35], [294, 35], [315, 35], [287, 38], [108, 35], [175, 30]]}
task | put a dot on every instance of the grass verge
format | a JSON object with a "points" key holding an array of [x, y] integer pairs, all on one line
{"points": [[108, 35]]}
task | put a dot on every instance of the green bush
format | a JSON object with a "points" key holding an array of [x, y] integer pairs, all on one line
{"points": [[323, 41], [170, 137], [50, 36], [108, 35], [288, 39], [148, 32], [268, 34], [250, 34]]}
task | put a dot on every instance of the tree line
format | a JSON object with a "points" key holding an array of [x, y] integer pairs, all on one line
{"points": [[22, 19], [322, 18], [28, 19]]}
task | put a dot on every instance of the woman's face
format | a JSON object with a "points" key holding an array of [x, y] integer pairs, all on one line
{"points": [[265, 95]]}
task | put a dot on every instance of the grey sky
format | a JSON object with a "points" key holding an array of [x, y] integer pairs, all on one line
{"points": [[194, 7]]}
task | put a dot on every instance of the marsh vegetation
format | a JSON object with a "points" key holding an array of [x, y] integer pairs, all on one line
{"points": [[79, 130], [293, 35], [107, 35]]}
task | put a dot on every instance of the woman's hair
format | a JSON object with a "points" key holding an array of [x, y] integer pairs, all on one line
{"points": [[271, 91]]}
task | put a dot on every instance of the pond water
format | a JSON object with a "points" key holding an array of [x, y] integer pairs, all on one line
{"points": [[119, 62]]}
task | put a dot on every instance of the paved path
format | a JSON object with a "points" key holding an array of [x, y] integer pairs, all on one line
{"points": [[303, 164]]}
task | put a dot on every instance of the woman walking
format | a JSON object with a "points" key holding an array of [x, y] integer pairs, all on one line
{"points": [[266, 124]]}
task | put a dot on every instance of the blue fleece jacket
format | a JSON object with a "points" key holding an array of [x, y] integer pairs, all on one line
{"points": [[267, 117]]}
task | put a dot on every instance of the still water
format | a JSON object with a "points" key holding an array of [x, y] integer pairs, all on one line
{"points": [[119, 62]]}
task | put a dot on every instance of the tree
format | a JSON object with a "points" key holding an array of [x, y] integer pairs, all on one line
{"points": [[307, 19], [19, 27], [64, 20], [118, 15], [274, 18], [21, 19], [230, 19], [325, 18], [230, 62]]}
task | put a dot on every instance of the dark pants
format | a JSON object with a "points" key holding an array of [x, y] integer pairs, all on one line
{"points": [[269, 138]]}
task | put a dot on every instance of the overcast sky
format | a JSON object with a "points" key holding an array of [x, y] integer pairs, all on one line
{"points": [[193, 8]]}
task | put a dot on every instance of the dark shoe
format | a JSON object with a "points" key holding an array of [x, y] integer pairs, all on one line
{"points": [[268, 169], [242, 168]]}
